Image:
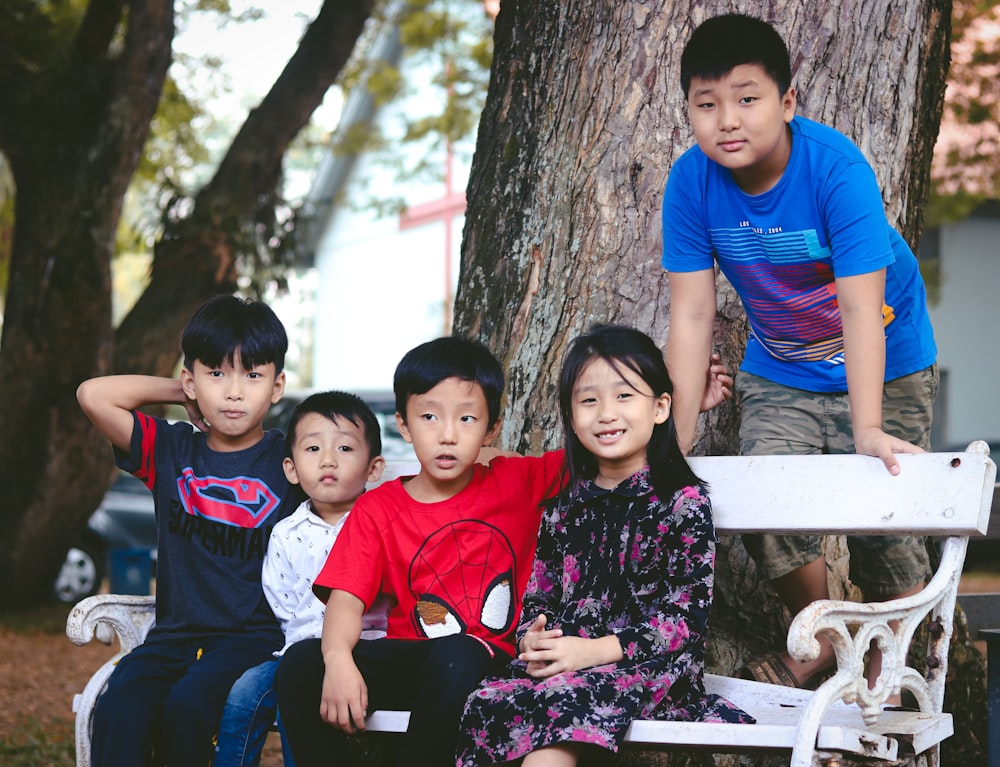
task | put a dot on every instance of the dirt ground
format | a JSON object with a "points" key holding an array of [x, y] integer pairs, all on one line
{"points": [[41, 671]]}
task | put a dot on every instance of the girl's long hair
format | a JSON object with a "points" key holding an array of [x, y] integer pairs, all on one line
{"points": [[625, 349]]}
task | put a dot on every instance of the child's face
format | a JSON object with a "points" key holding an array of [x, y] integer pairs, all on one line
{"points": [[233, 400], [330, 460], [447, 426], [613, 417], [740, 121]]}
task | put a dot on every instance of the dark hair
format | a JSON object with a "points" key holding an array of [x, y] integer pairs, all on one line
{"points": [[722, 43], [425, 366], [333, 405], [623, 347], [225, 324]]}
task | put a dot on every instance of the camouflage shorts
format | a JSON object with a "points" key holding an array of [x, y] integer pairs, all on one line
{"points": [[780, 420]]}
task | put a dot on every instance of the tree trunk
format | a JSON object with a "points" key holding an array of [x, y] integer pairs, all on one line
{"points": [[76, 115], [73, 136], [583, 119]]}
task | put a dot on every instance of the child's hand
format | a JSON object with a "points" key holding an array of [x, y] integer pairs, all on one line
{"points": [[881, 445], [537, 639], [344, 700], [718, 385], [564, 654], [195, 416]]}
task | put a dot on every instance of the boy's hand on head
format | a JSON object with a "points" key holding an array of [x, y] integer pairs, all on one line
{"points": [[344, 699], [718, 385], [876, 442], [195, 416]]}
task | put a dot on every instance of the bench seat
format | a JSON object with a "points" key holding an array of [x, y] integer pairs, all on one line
{"points": [[779, 712]]}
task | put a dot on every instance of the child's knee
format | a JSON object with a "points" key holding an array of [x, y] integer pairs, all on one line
{"points": [[256, 685], [299, 668]]}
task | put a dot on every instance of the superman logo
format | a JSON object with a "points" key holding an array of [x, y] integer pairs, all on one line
{"points": [[236, 501]]}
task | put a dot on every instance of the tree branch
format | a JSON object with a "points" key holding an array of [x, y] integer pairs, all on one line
{"points": [[197, 258], [96, 31], [253, 163]]}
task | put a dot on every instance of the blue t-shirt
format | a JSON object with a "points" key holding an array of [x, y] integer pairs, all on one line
{"points": [[783, 249], [214, 515]]}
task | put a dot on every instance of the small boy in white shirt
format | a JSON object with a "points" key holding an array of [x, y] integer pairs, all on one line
{"points": [[333, 448]]}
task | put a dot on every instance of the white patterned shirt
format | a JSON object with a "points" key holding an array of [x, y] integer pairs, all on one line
{"points": [[296, 552]]}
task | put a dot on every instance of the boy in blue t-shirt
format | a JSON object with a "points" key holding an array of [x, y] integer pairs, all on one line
{"points": [[218, 491], [841, 355]]}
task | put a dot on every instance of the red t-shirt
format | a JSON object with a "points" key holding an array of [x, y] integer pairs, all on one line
{"points": [[456, 566]]}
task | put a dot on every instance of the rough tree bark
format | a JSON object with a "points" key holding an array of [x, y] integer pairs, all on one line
{"points": [[77, 104], [583, 118]]}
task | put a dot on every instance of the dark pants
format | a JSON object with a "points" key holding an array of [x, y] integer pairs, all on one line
{"points": [[430, 678], [166, 696]]}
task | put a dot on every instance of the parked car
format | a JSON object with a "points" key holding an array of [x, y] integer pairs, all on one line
{"points": [[124, 520]]}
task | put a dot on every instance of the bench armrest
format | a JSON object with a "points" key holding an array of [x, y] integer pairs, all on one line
{"points": [[852, 626], [104, 616]]}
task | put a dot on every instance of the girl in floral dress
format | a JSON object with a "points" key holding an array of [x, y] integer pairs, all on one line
{"points": [[616, 610]]}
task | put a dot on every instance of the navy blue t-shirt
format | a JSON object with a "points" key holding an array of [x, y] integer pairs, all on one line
{"points": [[214, 515]]}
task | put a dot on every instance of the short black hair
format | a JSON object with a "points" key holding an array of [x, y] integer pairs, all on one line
{"points": [[225, 324], [425, 366], [333, 405], [722, 43]]}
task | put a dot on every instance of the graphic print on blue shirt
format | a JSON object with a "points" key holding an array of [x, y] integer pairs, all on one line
{"points": [[236, 501], [773, 270]]}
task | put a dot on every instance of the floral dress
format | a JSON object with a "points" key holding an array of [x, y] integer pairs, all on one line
{"points": [[609, 561]]}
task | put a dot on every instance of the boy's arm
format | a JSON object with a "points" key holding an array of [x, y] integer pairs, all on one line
{"points": [[689, 346], [861, 298], [488, 453], [109, 401], [344, 701]]}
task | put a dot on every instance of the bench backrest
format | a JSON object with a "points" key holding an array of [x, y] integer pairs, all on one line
{"points": [[934, 493]]}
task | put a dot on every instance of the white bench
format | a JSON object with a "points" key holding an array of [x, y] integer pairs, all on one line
{"points": [[944, 495]]}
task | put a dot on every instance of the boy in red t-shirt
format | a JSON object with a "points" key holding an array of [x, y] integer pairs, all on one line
{"points": [[451, 546]]}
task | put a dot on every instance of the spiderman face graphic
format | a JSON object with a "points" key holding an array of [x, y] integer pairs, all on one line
{"points": [[463, 579]]}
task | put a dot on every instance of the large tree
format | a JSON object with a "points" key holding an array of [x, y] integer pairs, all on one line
{"points": [[79, 85], [583, 118]]}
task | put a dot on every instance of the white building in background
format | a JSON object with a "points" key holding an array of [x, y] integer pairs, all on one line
{"points": [[386, 282], [966, 320]]}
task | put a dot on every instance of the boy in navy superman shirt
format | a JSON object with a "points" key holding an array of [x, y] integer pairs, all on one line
{"points": [[218, 491]]}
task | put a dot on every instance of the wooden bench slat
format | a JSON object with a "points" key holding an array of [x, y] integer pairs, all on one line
{"points": [[777, 727], [934, 494]]}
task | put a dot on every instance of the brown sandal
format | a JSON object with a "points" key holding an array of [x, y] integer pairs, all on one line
{"points": [[770, 669]]}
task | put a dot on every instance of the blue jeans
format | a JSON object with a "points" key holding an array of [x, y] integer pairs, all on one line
{"points": [[250, 711]]}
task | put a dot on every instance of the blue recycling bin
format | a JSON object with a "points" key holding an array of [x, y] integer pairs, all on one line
{"points": [[131, 571]]}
